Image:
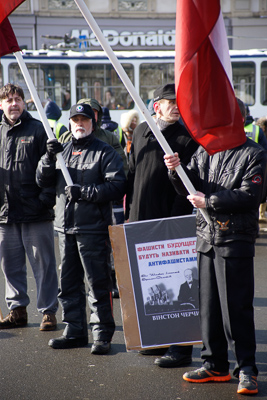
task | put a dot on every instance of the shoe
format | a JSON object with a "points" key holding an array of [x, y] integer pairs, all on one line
{"points": [[173, 358], [64, 342], [202, 375], [16, 318], [100, 347], [49, 322], [247, 383], [153, 352]]}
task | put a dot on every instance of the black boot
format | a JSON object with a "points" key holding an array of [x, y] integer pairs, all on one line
{"points": [[175, 356]]}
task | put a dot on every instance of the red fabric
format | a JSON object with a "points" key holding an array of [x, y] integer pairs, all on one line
{"points": [[8, 41], [7, 7], [205, 96]]}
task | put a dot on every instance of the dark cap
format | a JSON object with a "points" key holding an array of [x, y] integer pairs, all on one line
{"points": [[82, 109], [165, 92]]}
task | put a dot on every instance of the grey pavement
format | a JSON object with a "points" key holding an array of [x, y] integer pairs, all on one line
{"points": [[30, 370]]}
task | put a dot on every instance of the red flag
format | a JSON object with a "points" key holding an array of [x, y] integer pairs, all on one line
{"points": [[7, 7], [8, 41], [205, 96]]}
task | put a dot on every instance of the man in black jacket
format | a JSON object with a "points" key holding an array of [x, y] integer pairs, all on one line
{"points": [[26, 214], [150, 194], [230, 187], [83, 214]]}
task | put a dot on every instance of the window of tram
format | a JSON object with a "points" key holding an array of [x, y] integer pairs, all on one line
{"points": [[152, 76], [244, 81], [52, 81], [264, 82], [101, 82]]}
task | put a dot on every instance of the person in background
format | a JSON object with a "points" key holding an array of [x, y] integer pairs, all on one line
{"points": [[83, 215], [66, 102], [112, 126], [254, 131], [26, 214], [53, 114], [230, 185], [129, 121], [262, 123], [110, 101], [150, 194]]}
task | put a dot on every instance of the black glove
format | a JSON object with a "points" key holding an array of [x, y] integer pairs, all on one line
{"points": [[53, 146], [73, 192]]}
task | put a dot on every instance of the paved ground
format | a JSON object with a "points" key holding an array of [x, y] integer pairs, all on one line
{"points": [[30, 370]]}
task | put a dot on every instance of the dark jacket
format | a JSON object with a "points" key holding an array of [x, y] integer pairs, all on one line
{"points": [[150, 194], [99, 170], [21, 147], [233, 182]]}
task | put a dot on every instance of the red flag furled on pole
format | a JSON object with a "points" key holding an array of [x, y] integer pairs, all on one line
{"points": [[7, 7], [8, 41], [205, 96]]}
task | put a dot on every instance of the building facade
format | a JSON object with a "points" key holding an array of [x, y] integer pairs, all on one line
{"points": [[128, 24]]}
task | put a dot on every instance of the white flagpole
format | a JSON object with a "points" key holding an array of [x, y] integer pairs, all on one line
{"points": [[41, 111], [132, 91]]}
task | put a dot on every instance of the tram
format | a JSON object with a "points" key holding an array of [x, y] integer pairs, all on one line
{"points": [[67, 76]]}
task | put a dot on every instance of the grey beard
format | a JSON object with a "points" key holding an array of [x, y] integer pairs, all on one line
{"points": [[80, 135]]}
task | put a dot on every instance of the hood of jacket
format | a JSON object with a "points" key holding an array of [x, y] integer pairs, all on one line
{"points": [[126, 119], [96, 106], [52, 110]]}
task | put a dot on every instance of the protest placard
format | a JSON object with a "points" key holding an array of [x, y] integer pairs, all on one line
{"points": [[156, 268]]}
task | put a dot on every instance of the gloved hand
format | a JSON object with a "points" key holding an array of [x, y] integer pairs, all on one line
{"points": [[73, 192], [53, 146]]}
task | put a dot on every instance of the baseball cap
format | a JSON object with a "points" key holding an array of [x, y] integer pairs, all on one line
{"points": [[82, 109], [165, 92]]}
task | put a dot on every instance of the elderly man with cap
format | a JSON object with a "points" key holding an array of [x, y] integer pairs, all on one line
{"points": [[83, 214], [151, 194]]}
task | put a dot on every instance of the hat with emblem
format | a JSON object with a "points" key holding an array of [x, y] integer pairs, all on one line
{"points": [[82, 109]]}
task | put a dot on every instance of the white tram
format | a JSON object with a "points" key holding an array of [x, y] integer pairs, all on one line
{"points": [[67, 76]]}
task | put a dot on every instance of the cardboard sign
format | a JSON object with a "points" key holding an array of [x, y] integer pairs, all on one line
{"points": [[156, 268]]}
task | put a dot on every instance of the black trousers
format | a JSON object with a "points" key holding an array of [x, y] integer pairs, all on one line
{"points": [[86, 256], [226, 310]]}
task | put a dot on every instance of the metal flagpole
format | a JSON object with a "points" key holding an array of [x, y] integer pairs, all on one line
{"points": [[132, 91], [41, 111]]}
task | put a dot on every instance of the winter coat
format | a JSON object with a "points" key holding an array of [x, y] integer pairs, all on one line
{"points": [[150, 194], [233, 182], [21, 147], [98, 169]]}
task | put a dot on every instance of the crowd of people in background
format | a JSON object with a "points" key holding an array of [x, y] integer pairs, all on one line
{"points": [[121, 163]]}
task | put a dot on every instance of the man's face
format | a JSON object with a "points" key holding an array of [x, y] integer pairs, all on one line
{"points": [[167, 110], [188, 276], [81, 126], [13, 106]]}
